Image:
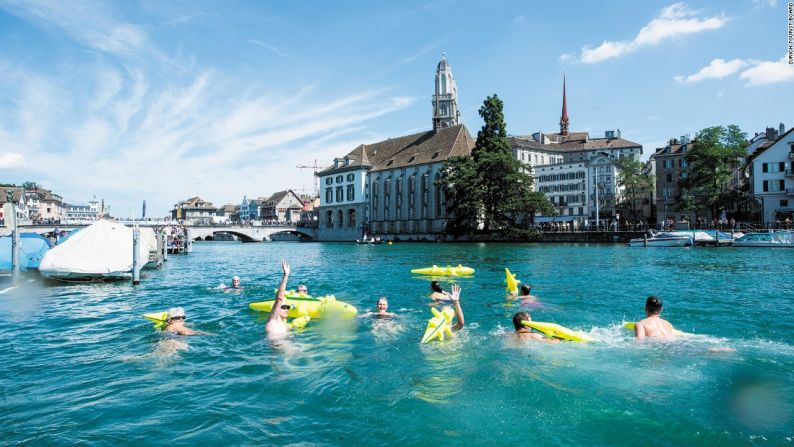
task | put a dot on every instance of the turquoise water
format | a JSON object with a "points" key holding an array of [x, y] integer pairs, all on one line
{"points": [[79, 364]]}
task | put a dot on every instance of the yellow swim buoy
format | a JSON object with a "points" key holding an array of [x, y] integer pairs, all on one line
{"points": [[557, 331], [512, 282], [438, 327], [160, 319]]}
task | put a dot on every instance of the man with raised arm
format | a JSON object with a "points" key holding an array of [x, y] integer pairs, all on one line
{"points": [[455, 298], [277, 321], [653, 326]]}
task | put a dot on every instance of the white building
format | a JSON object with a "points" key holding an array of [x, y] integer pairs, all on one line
{"points": [[773, 178], [389, 188], [82, 213]]}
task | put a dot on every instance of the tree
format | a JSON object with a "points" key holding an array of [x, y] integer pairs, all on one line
{"points": [[634, 182], [715, 154], [491, 187]]}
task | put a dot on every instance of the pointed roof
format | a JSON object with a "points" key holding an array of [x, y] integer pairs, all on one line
{"points": [[564, 115]]}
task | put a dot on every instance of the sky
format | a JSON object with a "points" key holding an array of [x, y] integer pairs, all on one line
{"points": [[162, 101]]}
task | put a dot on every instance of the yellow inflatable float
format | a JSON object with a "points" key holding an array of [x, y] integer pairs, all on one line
{"points": [[557, 331], [312, 307], [512, 282], [444, 271], [630, 326], [160, 319], [440, 326]]}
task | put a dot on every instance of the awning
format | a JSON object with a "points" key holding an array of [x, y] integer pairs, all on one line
{"points": [[543, 219]]}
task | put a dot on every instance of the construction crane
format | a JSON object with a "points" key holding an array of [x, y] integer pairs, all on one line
{"points": [[315, 169]]}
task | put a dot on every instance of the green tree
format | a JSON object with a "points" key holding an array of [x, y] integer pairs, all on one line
{"points": [[491, 187], [715, 154], [636, 184]]}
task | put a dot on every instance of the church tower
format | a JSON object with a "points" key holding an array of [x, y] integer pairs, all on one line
{"points": [[564, 116], [445, 100]]}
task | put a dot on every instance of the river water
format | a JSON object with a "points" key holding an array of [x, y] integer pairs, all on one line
{"points": [[80, 365]]}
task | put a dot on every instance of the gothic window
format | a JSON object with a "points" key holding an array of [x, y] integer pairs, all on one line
{"points": [[411, 196], [351, 217], [437, 197], [399, 197], [443, 85], [425, 193]]}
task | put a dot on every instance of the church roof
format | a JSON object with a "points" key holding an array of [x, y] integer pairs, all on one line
{"points": [[410, 150]]}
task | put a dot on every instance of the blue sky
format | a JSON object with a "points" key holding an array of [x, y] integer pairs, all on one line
{"points": [[161, 101]]}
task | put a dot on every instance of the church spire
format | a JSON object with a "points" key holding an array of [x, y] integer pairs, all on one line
{"points": [[564, 116], [445, 99]]}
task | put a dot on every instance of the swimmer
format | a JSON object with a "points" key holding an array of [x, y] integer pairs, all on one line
{"points": [[382, 310], [176, 322], [653, 326], [303, 289], [277, 320], [455, 298], [525, 295], [236, 283], [525, 333], [438, 293]]}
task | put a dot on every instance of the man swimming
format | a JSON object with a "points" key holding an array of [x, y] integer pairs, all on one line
{"points": [[236, 283], [525, 333], [176, 322], [525, 294], [277, 320], [438, 294], [653, 326]]}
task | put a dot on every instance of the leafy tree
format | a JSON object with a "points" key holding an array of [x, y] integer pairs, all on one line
{"points": [[30, 185], [491, 187], [636, 184], [715, 154]]}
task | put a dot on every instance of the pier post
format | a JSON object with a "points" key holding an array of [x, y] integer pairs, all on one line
{"points": [[164, 237], [16, 249], [136, 262], [645, 240], [188, 241]]}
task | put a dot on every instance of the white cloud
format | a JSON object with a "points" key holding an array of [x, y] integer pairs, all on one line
{"points": [[88, 23], [272, 48], [768, 72], [765, 3], [12, 160], [717, 69], [674, 21]]}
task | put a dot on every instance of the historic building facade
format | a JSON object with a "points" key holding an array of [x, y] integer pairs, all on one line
{"points": [[389, 188]]}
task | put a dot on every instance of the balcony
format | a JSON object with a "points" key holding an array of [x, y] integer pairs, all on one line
{"points": [[791, 155], [789, 172], [790, 191]]}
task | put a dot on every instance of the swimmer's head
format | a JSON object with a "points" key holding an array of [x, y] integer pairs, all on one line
{"points": [[176, 313], [284, 310], [653, 305], [519, 317], [383, 304], [526, 289], [303, 289], [436, 287], [236, 281]]}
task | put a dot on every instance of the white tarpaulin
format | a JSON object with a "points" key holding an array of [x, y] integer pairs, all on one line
{"points": [[102, 250]]}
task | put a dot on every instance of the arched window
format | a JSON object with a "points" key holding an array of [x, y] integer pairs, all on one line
{"points": [[443, 85], [329, 218], [425, 194], [351, 217], [399, 197], [411, 196], [340, 216], [437, 195]]}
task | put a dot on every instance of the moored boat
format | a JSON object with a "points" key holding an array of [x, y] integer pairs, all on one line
{"points": [[663, 240], [777, 239]]}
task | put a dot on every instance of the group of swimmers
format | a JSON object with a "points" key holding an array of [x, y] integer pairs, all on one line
{"points": [[653, 326]]}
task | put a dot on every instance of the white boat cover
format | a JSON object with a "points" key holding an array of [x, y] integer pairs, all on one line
{"points": [[102, 250]]}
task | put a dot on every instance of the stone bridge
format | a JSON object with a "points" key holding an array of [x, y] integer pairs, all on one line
{"points": [[245, 233]]}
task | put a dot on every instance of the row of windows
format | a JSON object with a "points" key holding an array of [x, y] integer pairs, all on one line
{"points": [[773, 167], [565, 187], [339, 221], [669, 177], [557, 177], [340, 197], [564, 200], [339, 178], [525, 156], [424, 194], [774, 185], [669, 164]]}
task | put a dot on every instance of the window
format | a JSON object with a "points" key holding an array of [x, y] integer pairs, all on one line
{"points": [[391, 162], [425, 193], [329, 195], [340, 216], [437, 196], [339, 179], [774, 185], [411, 196], [684, 163], [784, 203], [684, 175], [668, 164], [329, 219], [669, 178], [351, 193], [339, 194], [351, 217], [399, 197], [351, 177], [329, 180]]}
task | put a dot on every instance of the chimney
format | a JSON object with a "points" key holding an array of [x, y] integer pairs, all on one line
{"points": [[771, 134], [781, 129]]}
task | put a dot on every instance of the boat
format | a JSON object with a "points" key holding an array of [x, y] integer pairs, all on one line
{"points": [[373, 241], [32, 249], [101, 251], [663, 240], [777, 239]]}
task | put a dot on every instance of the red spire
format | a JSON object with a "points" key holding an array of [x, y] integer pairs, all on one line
{"points": [[564, 117]]}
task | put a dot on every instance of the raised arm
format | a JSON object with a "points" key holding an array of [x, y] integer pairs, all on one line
{"points": [[281, 291], [455, 298]]}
